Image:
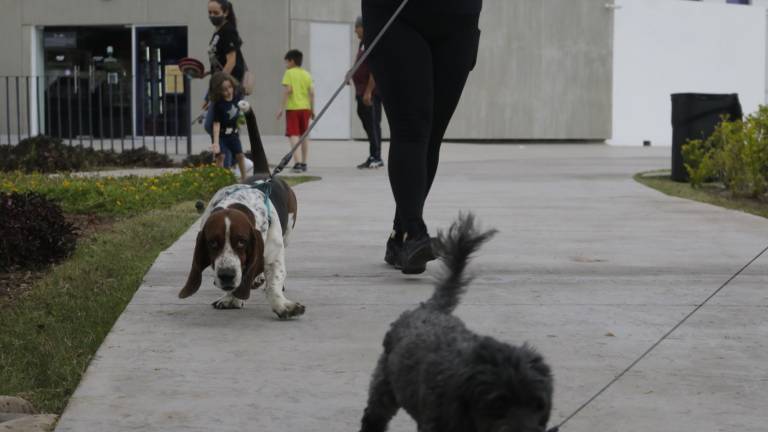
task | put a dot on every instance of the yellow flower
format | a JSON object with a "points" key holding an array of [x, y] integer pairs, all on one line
{"points": [[153, 188], [66, 183]]}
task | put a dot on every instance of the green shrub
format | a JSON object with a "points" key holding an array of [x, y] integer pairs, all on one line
{"points": [[46, 154], [33, 231], [143, 157], [121, 195], [203, 158], [736, 155]]}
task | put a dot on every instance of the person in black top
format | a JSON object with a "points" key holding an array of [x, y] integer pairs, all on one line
{"points": [[224, 48], [226, 116], [421, 66]]}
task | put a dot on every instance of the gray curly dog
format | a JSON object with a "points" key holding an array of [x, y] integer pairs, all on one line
{"points": [[448, 378]]}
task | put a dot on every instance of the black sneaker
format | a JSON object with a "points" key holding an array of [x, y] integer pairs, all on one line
{"points": [[366, 164], [394, 246], [297, 167], [376, 163], [303, 167], [415, 254]]}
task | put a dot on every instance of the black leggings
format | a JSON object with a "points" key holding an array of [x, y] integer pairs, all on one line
{"points": [[370, 117], [421, 66]]}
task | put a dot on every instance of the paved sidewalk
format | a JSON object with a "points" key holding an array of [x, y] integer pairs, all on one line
{"points": [[589, 266]]}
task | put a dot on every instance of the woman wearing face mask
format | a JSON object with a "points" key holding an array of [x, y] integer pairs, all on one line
{"points": [[224, 48]]}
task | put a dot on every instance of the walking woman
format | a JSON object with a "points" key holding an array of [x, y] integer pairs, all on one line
{"points": [[224, 50], [421, 66]]}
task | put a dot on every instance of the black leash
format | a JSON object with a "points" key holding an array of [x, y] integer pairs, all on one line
{"points": [[347, 77], [663, 338]]}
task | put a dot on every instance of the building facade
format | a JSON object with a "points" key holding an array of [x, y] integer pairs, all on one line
{"points": [[546, 68]]}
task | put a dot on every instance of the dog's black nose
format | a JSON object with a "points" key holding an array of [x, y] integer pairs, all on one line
{"points": [[227, 278]]}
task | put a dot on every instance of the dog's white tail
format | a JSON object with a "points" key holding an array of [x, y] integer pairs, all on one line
{"points": [[455, 248]]}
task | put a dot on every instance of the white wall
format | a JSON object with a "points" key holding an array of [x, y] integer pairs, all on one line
{"points": [[671, 46], [329, 54]]}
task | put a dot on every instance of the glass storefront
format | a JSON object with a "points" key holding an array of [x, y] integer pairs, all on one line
{"points": [[99, 84]]}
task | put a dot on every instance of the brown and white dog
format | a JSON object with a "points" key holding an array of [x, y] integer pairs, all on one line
{"points": [[243, 235]]}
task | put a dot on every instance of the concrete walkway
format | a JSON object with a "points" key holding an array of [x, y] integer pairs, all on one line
{"points": [[589, 266]]}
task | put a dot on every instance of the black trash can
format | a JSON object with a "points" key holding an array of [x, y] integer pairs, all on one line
{"points": [[695, 116]]}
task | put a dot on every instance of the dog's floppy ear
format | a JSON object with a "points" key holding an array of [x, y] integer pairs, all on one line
{"points": [[200, 261], [254, 266]]}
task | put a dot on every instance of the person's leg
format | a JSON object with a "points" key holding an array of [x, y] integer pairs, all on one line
{"points": [[402, 67], [208, 122], [292, 132], [235, 149], [305, 151], [241, 165], [453, 59], [304, 126], [225, 142], [375, 134], [292, 141], [363, 113]]}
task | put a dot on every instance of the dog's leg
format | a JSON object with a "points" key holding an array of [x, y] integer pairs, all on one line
{"points": [[228, 301], [259, 281], [382, 404], [275, 272], [275, 279]]}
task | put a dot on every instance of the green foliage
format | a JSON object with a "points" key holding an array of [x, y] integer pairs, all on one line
{"points": [[46, 154], [203, 158], [736, 155], [122, 195], [51, 332], [33, 231]]}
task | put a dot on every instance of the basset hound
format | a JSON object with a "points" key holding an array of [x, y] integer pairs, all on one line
{"points": [[243, 234]]}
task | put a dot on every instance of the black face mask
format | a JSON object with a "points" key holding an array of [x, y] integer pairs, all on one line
{"points": [[217, 20]]}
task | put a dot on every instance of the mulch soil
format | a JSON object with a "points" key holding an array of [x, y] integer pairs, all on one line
{"points": [[17, 281]]}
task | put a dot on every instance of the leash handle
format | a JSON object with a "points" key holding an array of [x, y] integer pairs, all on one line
{"points": [[279, 168]]}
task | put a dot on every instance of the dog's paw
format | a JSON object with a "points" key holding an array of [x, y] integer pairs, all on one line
{"points": [[290, 310], [259, 281], [228, 302]]}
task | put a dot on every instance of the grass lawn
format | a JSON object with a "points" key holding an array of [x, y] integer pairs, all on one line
{"points": [[710, 193], [51, 331]]}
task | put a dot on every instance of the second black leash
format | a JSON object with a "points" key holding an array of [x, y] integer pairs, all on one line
{"points": [[663, 338]]}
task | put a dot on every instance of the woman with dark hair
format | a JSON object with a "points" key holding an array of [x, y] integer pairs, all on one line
{"points": [[224, 49], [421, 65]]}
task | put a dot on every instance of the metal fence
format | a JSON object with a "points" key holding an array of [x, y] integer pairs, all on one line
{"points": [[112, 112]]}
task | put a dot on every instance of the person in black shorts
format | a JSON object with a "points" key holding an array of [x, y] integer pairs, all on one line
{"points": [[226, 116], [420, 66]]}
